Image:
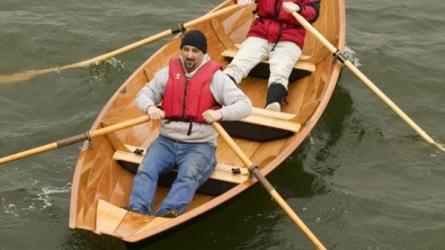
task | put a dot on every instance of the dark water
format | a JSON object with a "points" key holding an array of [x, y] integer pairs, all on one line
{"points": [[363, 180]]}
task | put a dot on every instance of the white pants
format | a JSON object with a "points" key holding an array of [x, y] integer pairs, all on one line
{"points": [[254, 50]]}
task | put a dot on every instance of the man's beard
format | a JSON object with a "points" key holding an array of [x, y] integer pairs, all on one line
{"points": [[190, 64]]}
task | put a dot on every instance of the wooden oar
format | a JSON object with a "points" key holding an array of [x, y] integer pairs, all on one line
{"points": [[366, 80], [74, 139], [253, 169], [26, 75]]}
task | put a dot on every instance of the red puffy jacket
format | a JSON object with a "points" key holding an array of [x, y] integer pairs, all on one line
{"points": [[275, 24], [184, 99]]}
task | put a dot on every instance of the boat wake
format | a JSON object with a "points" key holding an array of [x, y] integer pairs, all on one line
{"points": [[47, 192], [21, 202]]}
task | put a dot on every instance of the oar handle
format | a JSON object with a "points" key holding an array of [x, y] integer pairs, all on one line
{"points": [[253, 169], [367, 81], [74, 139]]}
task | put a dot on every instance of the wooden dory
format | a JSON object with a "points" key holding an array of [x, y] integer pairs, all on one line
{"points": [[104, 172]]}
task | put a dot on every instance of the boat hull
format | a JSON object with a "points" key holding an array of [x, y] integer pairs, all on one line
{"points": [[101, 185]]}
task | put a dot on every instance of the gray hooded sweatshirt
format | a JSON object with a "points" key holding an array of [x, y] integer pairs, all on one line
{"points": [[235, 105]]}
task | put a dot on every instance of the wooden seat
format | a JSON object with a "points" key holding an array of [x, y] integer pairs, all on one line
{"points": [[273, 119], [223, 172], [301, 68], [263, 125]]}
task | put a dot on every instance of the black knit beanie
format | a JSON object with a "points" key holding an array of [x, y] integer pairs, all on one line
{"points": [[196, 39]]}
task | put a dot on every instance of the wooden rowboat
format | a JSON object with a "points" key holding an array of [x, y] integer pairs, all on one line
{"points": [[104, 172]]}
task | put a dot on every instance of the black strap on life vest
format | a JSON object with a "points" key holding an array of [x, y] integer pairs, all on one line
{"points": [[275, 17], [189, 132], [280, 32]]}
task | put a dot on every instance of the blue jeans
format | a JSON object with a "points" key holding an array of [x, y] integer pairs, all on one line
{"points": [[195, 163]]}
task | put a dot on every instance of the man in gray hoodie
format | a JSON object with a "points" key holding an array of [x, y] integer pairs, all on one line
{"points": [[194, 93]]}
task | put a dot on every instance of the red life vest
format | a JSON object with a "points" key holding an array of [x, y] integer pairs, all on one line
{"points": [[275, 24], [186, 99]]}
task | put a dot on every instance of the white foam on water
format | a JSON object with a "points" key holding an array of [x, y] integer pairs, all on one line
{"points": [[47, 192], [10, 209]]}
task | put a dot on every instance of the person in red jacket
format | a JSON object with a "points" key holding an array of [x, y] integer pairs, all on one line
{"points": [[275, 34], [186, 96]]}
